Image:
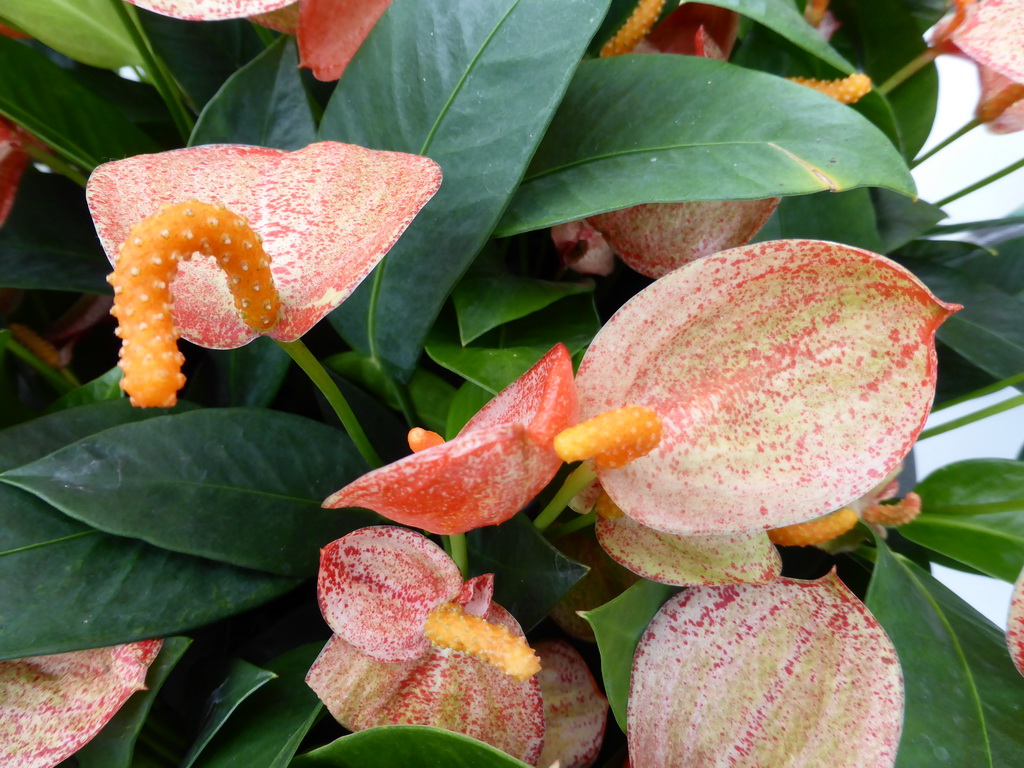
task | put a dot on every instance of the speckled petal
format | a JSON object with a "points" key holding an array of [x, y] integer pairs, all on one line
{"points": [[51, 706], [327, 214], [744, 558], [210, 10], [442, 688], [793, 673], [993, 35], [658, 238], [575, 710], [13, 162], [1015, 624], [331, 31], [491, 470], [999, 94], [377, 585], [791, 376]]}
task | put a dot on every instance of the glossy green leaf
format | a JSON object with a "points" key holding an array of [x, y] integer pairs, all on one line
{"points": [[494, 361], [1002, 267], [201, 56], [90, 31], [61, 113], [530, 575], [13, 410], [782, 17], [489, 295], [472, 111], [242, 486], [973, 512], [267, 728], [846, 217], [468, 400], [400, 746], [262, 104], [36, 254], [645, 129], [64, 586], [101, 389], [963, 696], [114, 746], [987, 331], [243, 680], [900, 218], [618, 626], [250, 376], [926, 12], [887, 37]]}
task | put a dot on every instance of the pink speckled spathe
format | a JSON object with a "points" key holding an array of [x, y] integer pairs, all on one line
{"points": [[993, 36], [792, 673], [1015, 624], [791, 377], [51, 706], [575, 710], [499, 461], [210, 10], [327, 214]]}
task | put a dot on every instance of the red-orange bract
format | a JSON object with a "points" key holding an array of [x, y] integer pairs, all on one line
{"points": [[13, 162], [326, 213], [51, 706], [499, 461]]}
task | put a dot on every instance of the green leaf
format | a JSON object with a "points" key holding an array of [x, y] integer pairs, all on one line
{"points": [[782, 17], [114, 746], [888, 37], [646, 129], [530, 575], [499, 358], [13, 410], [963, 694], [201, 56], [618, 626], [489, 296], [242, 486], [64, 586], [399, 746], [36, 254], [250, 376], [268, 727], [987, 331], [473, 111], [847, 217], [64, 115], [901, 218], [101, 389], [243, 680], [1002, 267], [262, 104], [468, 400], [973, 512], [90, 31]]}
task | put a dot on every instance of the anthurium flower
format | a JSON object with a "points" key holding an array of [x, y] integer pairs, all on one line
{"points": [[306, 225], [792, 673], [13, 162], [52, 706], [790, 377], [329, 32], [1015, 624], [575, 710], [383, 591], [656, 238], [499, 461]]}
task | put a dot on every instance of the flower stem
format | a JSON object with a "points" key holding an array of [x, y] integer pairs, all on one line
{"points": [[577, 480], [983, 183], [155, 70], [910, 69], [576, 524], [455, 546], [945, 143], [54, 378], [300, 353], [970, 418], [994, 387], [54, 163]]}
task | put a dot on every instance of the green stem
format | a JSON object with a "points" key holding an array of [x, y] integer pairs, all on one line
{"points": [[577, 480], [1013, 380], [577, 524], [970, 418], [970, 226], [983, 183], [455, 546], [54, 163], [910, 69], [946, 142], [155, 70], [323, 381], [52, 376]]}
